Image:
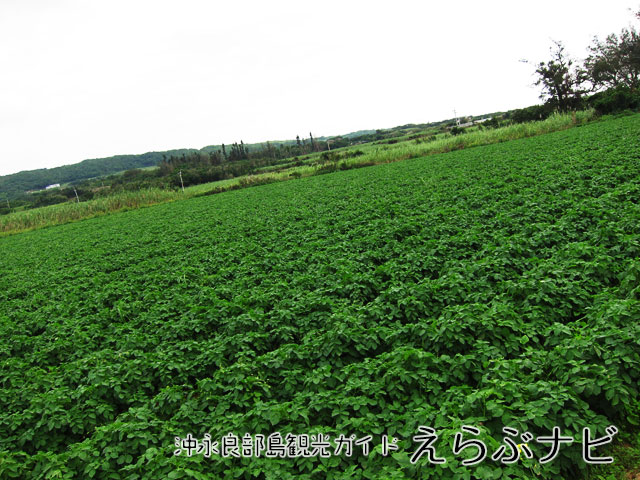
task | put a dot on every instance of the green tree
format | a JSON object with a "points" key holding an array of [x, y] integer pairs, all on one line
{"points": [[562, 82], [615, 62]]}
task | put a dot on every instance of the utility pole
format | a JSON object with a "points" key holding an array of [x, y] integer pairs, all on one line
{"points": [[76, 192], [181, 182], [457, 119]]}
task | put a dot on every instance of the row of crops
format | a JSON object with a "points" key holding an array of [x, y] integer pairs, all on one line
{"points": [[491, 287]]}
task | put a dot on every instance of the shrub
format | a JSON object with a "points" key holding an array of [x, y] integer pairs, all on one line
{"points": [[615, 100]]}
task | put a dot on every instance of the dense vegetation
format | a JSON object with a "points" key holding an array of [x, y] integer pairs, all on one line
{"points": [[493, 286]]}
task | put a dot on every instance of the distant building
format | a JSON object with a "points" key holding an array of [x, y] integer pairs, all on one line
{"points": [[49, 187], [474, 122]]}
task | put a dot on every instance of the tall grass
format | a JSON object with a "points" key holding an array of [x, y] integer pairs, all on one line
{"points": [[402, 151], [68, 212], [371, 155]]}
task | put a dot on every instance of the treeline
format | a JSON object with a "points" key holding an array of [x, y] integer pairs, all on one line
{"points": [[226, 162]]}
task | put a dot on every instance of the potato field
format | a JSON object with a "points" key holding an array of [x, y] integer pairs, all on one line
{"points": [[491, 287]]}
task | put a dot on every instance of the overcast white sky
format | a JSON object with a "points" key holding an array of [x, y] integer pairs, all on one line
{"points": [[87, 79]]}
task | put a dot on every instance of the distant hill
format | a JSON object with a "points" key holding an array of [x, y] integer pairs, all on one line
{"points": [[359, 133], [17, 184]]}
